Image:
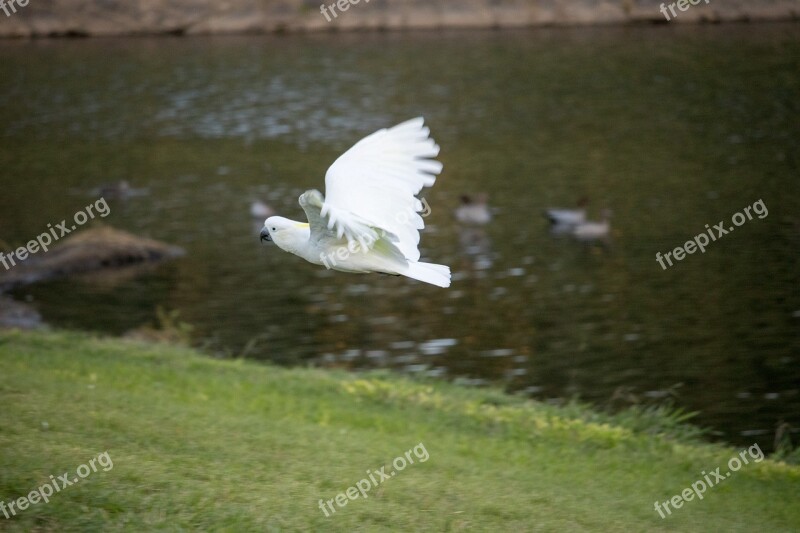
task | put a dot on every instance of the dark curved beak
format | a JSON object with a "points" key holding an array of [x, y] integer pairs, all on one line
{"points": [[265, 235]]}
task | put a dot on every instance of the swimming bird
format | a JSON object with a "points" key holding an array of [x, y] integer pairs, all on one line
{"points": [[567, 217], [591, 230], [259, 209], [118, 190], [369, 221], [474, 210]]}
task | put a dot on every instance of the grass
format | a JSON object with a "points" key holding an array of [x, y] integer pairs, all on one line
{"points": [[202, 444]]}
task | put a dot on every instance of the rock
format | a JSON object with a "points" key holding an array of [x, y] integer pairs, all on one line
{"points": [[91, 249]]}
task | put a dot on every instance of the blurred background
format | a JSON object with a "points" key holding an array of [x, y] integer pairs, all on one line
{"points": [[670, 127]]}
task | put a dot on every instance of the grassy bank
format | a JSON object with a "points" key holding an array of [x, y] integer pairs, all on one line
{"points": [[200, 444]]}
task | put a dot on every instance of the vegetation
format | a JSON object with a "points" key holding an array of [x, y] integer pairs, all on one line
{"points": [[204, 444]]}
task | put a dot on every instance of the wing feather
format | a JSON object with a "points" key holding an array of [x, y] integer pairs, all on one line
{"points": [[376, 240], [373, 186]]}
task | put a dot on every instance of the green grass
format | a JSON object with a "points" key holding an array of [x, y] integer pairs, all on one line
{"points": [[202, 444]]}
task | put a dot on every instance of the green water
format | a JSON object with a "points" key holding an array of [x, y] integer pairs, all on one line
{"points": [[671, 127]]}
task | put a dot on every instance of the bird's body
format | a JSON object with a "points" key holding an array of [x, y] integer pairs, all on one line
{"points": [[473, 210], [370, 220], [120, 190], [259, 209], [591, 230], [566, 217]]}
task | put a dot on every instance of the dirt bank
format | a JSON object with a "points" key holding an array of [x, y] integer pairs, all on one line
{"points": [[116, 17]]}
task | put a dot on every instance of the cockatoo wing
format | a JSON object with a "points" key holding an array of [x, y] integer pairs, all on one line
{"points": [[311, 202], [371, 189], [369, 238]]}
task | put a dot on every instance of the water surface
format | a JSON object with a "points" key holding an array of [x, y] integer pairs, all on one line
{"points": [[671, 127]]}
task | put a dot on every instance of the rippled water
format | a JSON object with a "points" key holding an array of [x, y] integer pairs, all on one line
{"points": [[672, 128]]}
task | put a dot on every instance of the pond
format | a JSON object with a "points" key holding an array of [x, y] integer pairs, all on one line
{"points": [[671, 128]]}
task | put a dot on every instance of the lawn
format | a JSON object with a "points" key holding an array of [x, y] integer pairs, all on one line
{"points": [[200, 444]]}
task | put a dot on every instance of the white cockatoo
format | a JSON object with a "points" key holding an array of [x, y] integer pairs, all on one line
{"points": [[370, 220]]}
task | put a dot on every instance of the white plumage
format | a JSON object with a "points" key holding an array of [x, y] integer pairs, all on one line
{"points": [[369, 221], [593, 231], [566, 217]]}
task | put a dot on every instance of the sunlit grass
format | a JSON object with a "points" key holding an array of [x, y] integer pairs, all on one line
{"points": [[202, 444]]}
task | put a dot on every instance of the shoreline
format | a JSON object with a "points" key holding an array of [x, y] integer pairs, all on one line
{"points": [[70, 18], [228, 441], [248, 444]]}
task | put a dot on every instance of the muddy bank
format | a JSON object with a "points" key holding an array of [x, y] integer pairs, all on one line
{"points": [[179, 17], [92, 250]]}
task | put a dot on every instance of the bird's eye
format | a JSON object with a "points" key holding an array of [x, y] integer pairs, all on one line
{"points": [[273, 229]]}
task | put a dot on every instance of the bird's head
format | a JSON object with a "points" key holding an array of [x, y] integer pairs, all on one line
{"points": [[284, 232]]}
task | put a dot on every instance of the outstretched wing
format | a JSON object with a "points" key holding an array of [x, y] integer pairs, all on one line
{"points": [[371, 189]]}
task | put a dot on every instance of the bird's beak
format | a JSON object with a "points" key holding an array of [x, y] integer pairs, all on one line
{"points": [[265, 236]]}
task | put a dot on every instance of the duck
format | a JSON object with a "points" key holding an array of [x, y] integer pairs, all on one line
{"points": [[121, 189], [593, 230], [474, 210], [559, 216], [260, 210]]}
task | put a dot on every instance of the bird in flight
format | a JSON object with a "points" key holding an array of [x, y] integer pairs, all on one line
{"points": [[369, 221]]}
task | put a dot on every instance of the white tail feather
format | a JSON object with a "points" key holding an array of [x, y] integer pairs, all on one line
{"points": [[438, 275]]}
